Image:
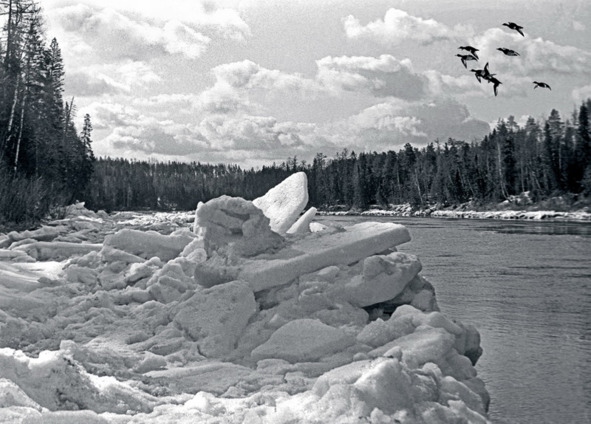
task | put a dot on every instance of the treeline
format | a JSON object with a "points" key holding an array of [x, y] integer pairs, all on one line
{"points": [[44, 162], [547, 158], [120, 184]]}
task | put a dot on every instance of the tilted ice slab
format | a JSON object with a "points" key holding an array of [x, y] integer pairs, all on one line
{"points": [[284, 202], [318, 251], [302, 225]]}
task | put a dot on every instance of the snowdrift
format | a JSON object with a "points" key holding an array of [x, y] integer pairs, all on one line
{"points": [[249, 315]]}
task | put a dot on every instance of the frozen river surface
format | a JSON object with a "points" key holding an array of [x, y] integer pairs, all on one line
{"points": [[527, 287]]}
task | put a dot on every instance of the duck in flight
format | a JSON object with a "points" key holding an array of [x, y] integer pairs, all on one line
{"points": [[541, 85], [478, 73], [514, 26], [466, 57], [508, 52], [482, 73], [487, 73], [471, 50], [495, 82]]}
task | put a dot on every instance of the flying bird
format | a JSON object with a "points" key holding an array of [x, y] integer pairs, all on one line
{"points": [[484, 73], [495, 82], [487, 73], [478, 73], [471, 50], [541, 85], [466, 57], [508, 52], [514, 26]]}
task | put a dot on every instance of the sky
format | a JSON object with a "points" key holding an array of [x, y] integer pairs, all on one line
{"points": [[254, 82]]}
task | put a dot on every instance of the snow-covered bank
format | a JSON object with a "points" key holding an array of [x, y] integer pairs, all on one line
{"points": [[138, 319], [462, 213]]}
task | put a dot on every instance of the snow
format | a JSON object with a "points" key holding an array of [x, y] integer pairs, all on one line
{"points": [[511, 215], [216, 317], [383, 278], [235, 227], [140, 319], [283, 203], [346, 246], [56, 250], [147, 244], [303, 340]]}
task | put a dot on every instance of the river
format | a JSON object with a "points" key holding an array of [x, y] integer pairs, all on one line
{"points": [[526, 286]]}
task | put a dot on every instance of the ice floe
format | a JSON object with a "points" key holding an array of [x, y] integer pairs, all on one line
{"points": [[251, 315]]}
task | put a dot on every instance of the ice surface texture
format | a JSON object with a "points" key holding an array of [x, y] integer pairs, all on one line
{"points": [[246, 318]]}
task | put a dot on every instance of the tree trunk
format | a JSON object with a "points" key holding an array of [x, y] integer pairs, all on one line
{"points": [[20, 131]]}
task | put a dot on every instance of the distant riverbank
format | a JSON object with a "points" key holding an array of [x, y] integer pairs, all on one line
{"points": [[552, 209], [578, 216]]}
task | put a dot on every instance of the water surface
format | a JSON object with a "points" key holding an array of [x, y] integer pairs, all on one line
{"points": [[526, 286]]}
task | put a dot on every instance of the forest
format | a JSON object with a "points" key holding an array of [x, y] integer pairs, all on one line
{"points": [[45, 163], [546, 159]]}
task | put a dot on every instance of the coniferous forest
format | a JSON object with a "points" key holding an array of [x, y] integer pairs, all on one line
{"points": [[547, 159], [44, 162]]}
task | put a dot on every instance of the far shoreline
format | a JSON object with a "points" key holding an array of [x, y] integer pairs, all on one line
{"points": [[405, 211]]}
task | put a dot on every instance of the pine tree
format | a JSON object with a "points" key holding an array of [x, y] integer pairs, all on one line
{"points": [[582, 161]]}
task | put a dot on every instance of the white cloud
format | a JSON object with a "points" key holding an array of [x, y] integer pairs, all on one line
{"points": [[116, 45], [382, 76], [581, 94], [398, 26], [247, 75], [578, 26], [111, 34], [536, 54], [392, 124], [233, 119], [100, 79]]}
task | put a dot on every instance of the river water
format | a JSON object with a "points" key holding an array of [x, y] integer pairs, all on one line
{"points": [[526, 286]]}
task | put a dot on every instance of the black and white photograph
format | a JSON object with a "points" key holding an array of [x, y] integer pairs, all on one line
{"points": [[295, 212]]}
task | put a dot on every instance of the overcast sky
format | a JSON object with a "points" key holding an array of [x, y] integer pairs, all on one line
{"points": [[257, 81]]}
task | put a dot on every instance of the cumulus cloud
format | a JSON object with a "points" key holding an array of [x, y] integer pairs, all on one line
{"points": [[382, 76], [536, 54], [102, 79], [390, 125], [581, 94], [113, 34], [398, 26], [98, 33], [247, 75], [229, 119]]}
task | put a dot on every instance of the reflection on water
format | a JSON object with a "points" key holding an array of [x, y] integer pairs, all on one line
{"points": [[527, 287], [543, 228]]}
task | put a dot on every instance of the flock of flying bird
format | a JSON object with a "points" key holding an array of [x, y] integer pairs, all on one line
{"points": [[484, 74]]}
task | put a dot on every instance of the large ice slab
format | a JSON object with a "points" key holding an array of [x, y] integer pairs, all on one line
{"points": [[318, 251], [303, 340], [57, 250], [283, 203], [384, 277], [216, 317], [232, 226], [147, 244]]}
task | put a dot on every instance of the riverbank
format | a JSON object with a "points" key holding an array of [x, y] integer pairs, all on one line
{"points": [[517, 208]]}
